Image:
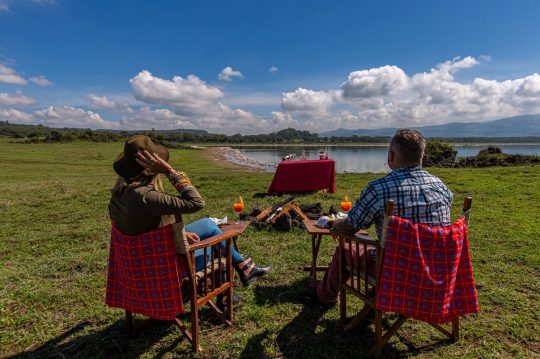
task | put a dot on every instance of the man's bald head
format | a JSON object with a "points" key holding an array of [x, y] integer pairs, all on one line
{"points": [[408, 147]]}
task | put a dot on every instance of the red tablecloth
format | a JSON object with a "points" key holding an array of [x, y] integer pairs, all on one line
{"points": [[304, 176]]}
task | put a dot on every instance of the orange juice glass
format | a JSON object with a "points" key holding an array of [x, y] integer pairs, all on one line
{"points": [[238, 207], [346, 204]]}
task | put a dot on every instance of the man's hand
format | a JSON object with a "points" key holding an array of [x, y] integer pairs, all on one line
{"points": [[192, 237], [344, 226], [152, 162]]}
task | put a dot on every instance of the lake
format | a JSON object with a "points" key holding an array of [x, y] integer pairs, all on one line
{"points": [[362, 159]]}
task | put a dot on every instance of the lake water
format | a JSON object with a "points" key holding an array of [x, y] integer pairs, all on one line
{"points": [[362, 159]]}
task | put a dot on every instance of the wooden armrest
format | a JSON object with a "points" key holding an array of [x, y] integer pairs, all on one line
{"points": [[360, 238], [213, 240]]}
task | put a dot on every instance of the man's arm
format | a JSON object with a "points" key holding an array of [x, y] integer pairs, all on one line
{"points": [[362, 214]]}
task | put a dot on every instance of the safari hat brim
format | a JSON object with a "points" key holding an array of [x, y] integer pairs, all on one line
{"points": [[126, 165]]}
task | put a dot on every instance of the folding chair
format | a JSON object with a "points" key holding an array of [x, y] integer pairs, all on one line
{"points": [[365, 277], [202, 287]]}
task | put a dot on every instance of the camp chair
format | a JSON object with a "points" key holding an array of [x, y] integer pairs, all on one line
{"points": [[364, 283], [201, 287]]}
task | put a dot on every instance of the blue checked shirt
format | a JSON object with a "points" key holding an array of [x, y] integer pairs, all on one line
{"points": [[418, 196]]}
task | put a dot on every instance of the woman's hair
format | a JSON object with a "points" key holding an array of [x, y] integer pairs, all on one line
{"points": [[142, 180]]}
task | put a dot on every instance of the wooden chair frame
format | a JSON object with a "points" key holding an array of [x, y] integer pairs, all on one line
{"points": [[365, 286], [211, 284]]}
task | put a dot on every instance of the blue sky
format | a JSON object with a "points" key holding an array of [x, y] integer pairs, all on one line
{"points": [[353, 64]]}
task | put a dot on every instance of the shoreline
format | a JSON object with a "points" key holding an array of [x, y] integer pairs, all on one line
{"points": [[273, 145], [217, 155]]}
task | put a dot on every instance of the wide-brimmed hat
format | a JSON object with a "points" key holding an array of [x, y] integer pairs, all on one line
{"points": [[126, 165]]}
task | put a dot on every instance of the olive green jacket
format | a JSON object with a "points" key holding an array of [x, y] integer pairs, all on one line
{"points": [[136, 210]]}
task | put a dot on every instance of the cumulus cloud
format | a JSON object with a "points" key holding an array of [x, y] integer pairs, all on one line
{"points": [[105, 103], [228, 73], [189, 96], [273, 69], [13, 115], [16, 99], [307, 102], [41, 81], [67, 116], [194, 101], [381, 81], [10, 76], [147, 118], [387, 96]]}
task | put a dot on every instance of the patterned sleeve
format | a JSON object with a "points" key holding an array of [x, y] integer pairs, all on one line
{"points": [[179, 180], [363, 214]]}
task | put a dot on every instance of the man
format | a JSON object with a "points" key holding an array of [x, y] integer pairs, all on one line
{"points": [[418, 196]]}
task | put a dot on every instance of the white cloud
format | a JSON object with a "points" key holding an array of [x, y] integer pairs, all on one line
{"points": [[381, 81], [147, 118], [67, 116], [190, 96], [41, 81], [228, 73], [308, 102], [273, 69], [16, 99], [10, 76], [5, 5], [13, 115], [387, 96], [253, 98], [105, 103], [195, 102]]}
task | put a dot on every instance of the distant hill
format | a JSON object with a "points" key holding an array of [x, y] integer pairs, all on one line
{"points": [[518, 126]]}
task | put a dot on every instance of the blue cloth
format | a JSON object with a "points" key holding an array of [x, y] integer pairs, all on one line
{"points": [[206, 228], [418, 196]]}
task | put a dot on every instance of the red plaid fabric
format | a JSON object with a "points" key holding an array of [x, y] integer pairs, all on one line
{"points": [[145, 274], [427, 272]]}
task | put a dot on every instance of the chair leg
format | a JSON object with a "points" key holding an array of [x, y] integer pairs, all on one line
{"points": [[377, 351], [455, 330], [195, 323], [343, 306], [358, 318], [129, 324]]}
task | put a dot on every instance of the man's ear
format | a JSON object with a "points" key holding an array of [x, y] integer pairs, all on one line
{"points": [[391, 157]]}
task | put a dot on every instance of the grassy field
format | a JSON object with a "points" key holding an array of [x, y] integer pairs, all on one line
{"points": [[54, 236]]}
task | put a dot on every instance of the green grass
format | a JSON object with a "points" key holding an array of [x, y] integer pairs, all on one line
{"points": [[54, 235]]}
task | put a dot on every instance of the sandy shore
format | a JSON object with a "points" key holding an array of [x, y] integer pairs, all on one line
{"points": [[221, 156]]}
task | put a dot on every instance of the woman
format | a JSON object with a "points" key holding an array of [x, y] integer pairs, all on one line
{"points": [[138, 203]]}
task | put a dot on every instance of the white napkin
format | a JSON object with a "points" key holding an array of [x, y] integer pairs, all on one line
{"points": [[219, 221], [322, 222]]}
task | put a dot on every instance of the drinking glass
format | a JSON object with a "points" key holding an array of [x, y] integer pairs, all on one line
{"points": [[346, 204], [238, 207]]}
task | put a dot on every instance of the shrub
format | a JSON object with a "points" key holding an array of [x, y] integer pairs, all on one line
{"points": [[490, 149], [439, 154]]}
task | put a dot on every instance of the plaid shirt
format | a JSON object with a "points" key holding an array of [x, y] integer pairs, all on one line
{"points": [[418, 196]]}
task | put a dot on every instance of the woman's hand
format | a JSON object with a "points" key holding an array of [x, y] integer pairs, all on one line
{"points": [[153, 162], [192, 237]]}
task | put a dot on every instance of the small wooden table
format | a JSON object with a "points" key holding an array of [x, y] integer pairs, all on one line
{"points": [[236, 228], [316, 237]]}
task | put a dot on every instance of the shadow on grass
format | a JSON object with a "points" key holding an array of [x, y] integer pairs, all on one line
{"points": [[111, 341], [310, 335], [273, 295]]}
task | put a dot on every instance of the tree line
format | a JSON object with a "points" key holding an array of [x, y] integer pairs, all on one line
{"points": [[174, 138]]}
